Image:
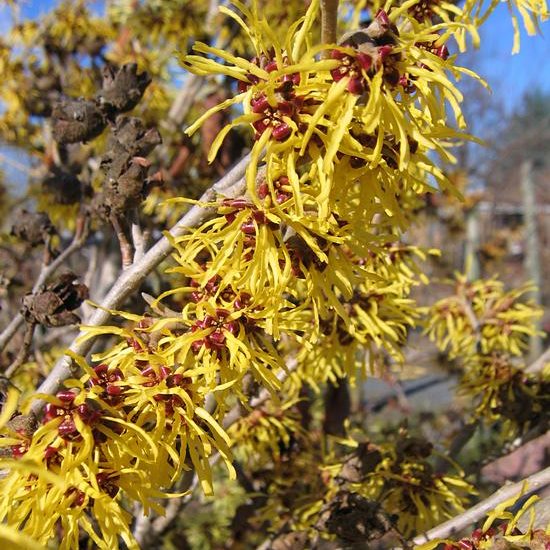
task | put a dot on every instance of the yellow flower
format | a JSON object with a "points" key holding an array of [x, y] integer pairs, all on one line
{"points": [[482, 315]]}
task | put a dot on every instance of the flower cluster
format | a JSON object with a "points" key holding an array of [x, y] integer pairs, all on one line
{"points": [[488, 329], [481, 317], [395, 478], [410, 487]]}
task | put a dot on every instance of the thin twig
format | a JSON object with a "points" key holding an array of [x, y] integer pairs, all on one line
{"points": [[126, 248], [329, 21], [23, 352], [129, 281], [529, 485], [45, 273], [211, 14], [457, 444], [188, 94], [237, 411], [89, 275], [139, 237], [17, 165], [48, 252], [469, 312], [185, 99]]}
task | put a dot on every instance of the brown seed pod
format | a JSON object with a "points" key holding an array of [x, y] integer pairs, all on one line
{"points": [[75, 120]]}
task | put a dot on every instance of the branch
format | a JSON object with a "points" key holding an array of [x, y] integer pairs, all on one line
{"points": [[329, 21], [23, 352], [6, 159], [139, 237], [129, 281], [530, 485], [188, 94], [126, 248], [512, 446], [237, 411], [461, 439], [185, 99], [46, 272]]}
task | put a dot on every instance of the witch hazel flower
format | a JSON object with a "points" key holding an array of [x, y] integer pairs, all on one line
{"points": [[69, 410], [366, 52]]}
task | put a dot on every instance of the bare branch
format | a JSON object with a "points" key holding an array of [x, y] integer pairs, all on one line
{"points": [[237, 411], [6, 159], [139, 237], [466, 432], [23, 352], [329, 21], [530, 485], [512, 446], [185, 98], [126, 248]]}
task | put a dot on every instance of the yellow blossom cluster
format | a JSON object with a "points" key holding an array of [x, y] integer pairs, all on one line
{"points": [[487, 329], [396, 476]]}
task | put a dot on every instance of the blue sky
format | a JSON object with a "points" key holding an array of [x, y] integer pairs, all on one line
{"points": [[510, 76]]}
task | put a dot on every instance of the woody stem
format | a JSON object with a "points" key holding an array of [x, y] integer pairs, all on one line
{"points": [[329, 21]]}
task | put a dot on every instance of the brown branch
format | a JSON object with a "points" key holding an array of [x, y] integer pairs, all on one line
{"points": [[126, 248], [23, 352], [238, 411], [530, 485], [474, 321], [48, 252], [329, 21], [457, 444], [337, 407]]}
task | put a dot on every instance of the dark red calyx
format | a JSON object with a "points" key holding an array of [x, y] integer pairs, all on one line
{"points": [[68, 431], [365, 60], [66, 396], [356, 86], [263, 190], [282, 131], [259, 104]]}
